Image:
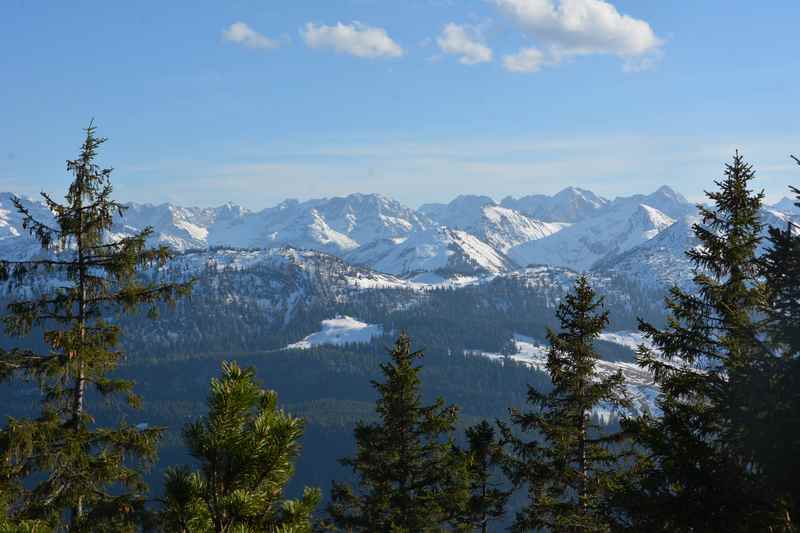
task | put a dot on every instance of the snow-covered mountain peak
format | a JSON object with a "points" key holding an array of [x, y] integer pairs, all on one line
{"points": [[467, 201], [576, 196], [231, 210], [787, 205], [613, 231], [668, 192], [662, 260], [659, 262], [440, 250], [650, 219], [501, 227], [665, 199], [568, 205]]}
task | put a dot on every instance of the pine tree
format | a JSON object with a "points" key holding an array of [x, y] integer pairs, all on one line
{"points": [[775, 438], [781, 266], [696, 473], [246, 448], [63, 466], [569, 468], [408, 469], [487, 499]]}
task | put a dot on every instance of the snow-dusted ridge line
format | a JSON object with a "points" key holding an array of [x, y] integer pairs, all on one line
{"points": [[472, 236], [354, 277]]}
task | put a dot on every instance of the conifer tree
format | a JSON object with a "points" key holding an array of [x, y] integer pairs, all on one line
{"points": [[781, 266], [487, 498], [63, 466], [246, 448], [697, 473], [569, 468], [408, 471], [775, 437]]}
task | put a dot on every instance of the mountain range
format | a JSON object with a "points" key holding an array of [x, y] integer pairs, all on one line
{"points": [[642, 236], [279, 278]]}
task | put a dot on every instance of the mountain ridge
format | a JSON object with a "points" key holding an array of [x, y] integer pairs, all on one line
{"points": [[471, 235]]}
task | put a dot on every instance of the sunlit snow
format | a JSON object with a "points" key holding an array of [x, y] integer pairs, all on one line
{"points": [[639, 383], [338, 331]]}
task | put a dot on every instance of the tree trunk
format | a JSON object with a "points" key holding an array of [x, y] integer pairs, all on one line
{"points": [[80, 377]]}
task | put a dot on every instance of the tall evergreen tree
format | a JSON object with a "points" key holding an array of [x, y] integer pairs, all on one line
{"points": [[775, 438], [246, 448], [569, 468], [63, 466], [487, 497], [408, 469], [697, 473], [781, 265]]}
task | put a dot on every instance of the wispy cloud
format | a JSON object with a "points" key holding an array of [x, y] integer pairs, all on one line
{"points": [[526, 60], [241, 33], [436, 170], [563, 29], [355, 39], [464, 42]]}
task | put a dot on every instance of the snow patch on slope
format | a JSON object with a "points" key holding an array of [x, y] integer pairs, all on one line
{"points": [[629, 339], [638, 382], [338, 331]]}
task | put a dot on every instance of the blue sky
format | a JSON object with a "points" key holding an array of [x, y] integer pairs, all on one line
{"points": [[256, 101]]}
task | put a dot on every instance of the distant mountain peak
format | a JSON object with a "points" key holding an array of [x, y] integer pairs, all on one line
{"points": [[572, 194], [571, 204], [472, 199], [666, 190], [787, 205]]}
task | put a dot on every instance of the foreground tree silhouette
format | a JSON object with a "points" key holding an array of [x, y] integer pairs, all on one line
{"points": [[487, 498], [410, 476], [775, 436], [63, 466], [781, 266], [570, 472], [246, 448], [697, 473]]}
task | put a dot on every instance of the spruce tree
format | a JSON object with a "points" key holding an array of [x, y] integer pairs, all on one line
{"points": [[697, 473], [246, 448], [64, 467], [568, 466], [781, 267], [487, 497], [409, 474], [775, 439]]}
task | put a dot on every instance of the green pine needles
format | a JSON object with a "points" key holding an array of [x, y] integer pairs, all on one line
{"points": [[246, 448], [62, 468], [488, 491], [712, 363], [569, 469], [409, 474], [775, 439]]}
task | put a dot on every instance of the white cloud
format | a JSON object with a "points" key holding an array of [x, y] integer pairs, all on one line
{"points": [[464, 42], [241, 33], [355, 39], [567, 28], [526, 60]]}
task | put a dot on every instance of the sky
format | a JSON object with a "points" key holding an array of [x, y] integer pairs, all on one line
{"points": [[256, 101]]}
